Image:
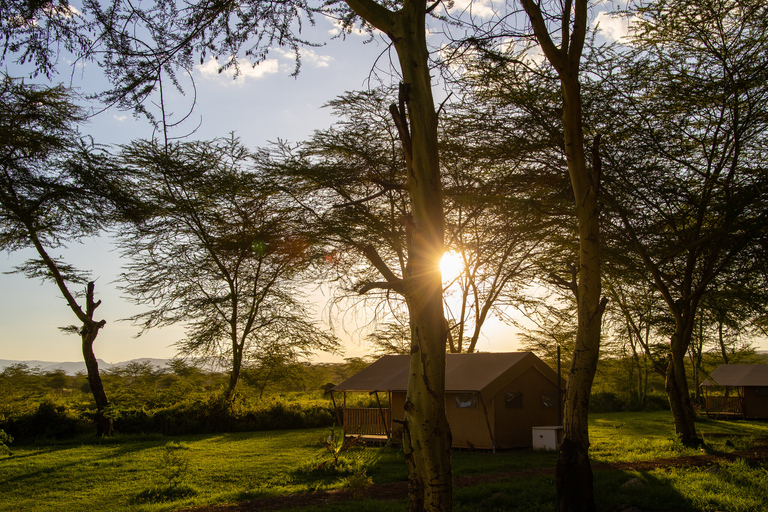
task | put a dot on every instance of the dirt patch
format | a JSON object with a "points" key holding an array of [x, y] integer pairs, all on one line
{"points": [[399, 490]]}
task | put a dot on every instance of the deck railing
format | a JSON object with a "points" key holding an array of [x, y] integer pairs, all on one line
{"points": [[724, 405], [366, 421]]}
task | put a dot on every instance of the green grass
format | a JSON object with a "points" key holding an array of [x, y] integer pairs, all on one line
{"points": [[131, 473], [625, 436]]}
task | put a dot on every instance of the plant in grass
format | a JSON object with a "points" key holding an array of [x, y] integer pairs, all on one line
{"points": [[174, 468], [358, 482], [175, 463], [348, 456], [5, 440], [336, 445]]}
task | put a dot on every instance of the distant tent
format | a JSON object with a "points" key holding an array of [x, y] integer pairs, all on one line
{"points": [[492, 399], [738, 390]]}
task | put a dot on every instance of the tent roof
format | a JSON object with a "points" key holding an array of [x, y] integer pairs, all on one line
{"points": [[738, 375], [463, 372]]}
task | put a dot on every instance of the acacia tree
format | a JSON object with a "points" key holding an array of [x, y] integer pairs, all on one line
{"points": [[687, 168], [218, 250], [490, 224], [55, 188], [350, 180], [576, 493]]}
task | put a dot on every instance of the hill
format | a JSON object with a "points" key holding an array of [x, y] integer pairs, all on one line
{"points": [[71, 368]]}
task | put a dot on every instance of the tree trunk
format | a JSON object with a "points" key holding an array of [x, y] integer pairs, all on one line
{"points": [[574, 472], [104, 425], [428, 443], [676, 383], [88, 334], [234, 374], [427, 437]]}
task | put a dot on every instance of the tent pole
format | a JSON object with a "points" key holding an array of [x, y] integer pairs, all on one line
{"points": [[559, 392], [488, 422], [336, 412], [381, 412]]}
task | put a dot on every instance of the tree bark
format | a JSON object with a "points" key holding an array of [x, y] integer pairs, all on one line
{"points": [[676, 383], [104, 425], [574, 472], [427, 438]]}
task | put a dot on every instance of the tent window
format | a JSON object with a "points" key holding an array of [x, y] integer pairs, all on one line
{"points": [[513, 400], [465, 401], [548, 399]]}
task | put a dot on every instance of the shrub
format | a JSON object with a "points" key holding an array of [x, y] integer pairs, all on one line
{"points": [[5, 440], [605, 401], [48, 421]]}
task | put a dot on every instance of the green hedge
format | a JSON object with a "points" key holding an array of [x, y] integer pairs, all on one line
{"points": [[605, 401], [198, 417]]}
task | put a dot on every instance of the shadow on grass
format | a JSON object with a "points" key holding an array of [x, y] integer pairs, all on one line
{"points": [[620, 490]]}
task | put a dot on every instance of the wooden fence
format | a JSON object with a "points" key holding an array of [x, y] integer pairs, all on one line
{"points": [[367, 421], [730, 405]]}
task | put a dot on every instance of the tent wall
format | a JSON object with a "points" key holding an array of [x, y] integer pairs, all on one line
{"points": [[528, 401], [755, 403], [469, 427]]}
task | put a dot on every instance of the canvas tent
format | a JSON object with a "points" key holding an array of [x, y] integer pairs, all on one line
{"points": [[492, 399], [738, 390]]}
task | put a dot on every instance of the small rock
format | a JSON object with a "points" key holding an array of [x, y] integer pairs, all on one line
{"points": [[713, 469], [634, 483]]}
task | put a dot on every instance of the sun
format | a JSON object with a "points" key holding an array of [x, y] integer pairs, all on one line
{"points": [[451, 266]]}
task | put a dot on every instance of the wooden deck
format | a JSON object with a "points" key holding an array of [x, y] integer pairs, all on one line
{"points": [[367, 422], [371, 438], [724, 407]]}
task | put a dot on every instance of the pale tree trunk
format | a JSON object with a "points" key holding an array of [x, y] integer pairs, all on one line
{"points": [[427, 438], [574, 472]]}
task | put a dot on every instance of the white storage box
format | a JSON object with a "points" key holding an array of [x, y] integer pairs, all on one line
{"points": [[547, 438]]}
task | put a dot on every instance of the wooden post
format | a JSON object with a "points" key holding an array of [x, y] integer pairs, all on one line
{"points": [[487, 422], [381, 412], [336, 411]]}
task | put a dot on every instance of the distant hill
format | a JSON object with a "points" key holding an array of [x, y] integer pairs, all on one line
{"points": [[71, 368]]}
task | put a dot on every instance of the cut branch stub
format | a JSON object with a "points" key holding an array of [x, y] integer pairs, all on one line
{"points": [[400, 117]]}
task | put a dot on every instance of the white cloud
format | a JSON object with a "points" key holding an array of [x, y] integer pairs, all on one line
{"points": [[481, 8], [308, 56], [338, 28], [613, 28], [210, 69], [119, 118]]}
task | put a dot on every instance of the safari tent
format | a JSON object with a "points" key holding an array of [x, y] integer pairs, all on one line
{"points": [[737, 390], [492, 399]]}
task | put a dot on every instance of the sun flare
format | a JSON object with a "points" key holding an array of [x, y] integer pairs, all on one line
{"points": [[451, 266]]}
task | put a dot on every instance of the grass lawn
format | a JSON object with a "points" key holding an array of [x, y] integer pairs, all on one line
{"points": [[134, 473]]}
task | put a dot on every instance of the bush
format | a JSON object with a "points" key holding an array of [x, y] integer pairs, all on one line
{"points": [[214, 415], [606, 401], [48, 421], [5, 440]]}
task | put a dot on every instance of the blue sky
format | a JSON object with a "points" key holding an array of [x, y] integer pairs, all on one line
{"points": [[262, 105]]}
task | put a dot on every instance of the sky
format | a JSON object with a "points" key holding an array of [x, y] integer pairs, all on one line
{"points": [[264, 104]]}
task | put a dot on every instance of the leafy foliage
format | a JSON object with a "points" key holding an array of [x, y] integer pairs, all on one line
{"points": [[219, 251]]}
